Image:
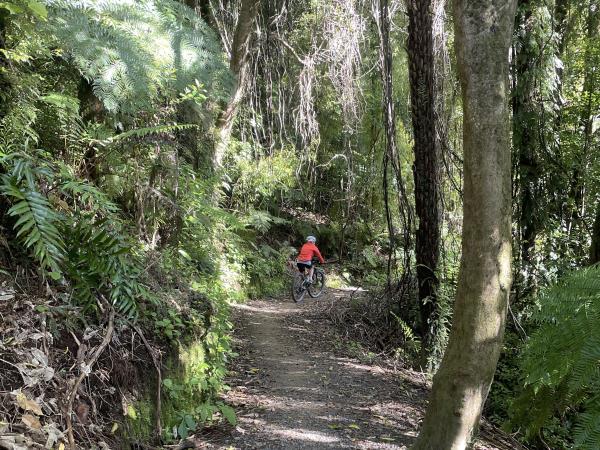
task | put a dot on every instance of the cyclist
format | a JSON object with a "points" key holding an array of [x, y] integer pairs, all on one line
{"points": [[304, 261]]}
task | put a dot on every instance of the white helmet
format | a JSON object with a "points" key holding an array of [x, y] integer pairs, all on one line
{"points": [[311, 239]]}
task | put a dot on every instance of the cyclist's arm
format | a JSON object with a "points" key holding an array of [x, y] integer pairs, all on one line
{"points": [[318, 253]]}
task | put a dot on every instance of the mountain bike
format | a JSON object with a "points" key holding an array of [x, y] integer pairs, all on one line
{"points": [[301, 284]]}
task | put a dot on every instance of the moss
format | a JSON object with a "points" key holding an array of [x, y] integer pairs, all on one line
{"points": [[139, 423]]}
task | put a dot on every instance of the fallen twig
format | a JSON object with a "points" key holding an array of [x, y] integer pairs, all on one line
{"points": [[84, 373]]}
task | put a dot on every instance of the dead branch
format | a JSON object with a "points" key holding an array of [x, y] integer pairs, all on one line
{"points": [[157, 364], [86, 369]]}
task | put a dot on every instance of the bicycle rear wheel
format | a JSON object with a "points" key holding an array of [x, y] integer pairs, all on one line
{"points": [[316, 288], [298, 289]]}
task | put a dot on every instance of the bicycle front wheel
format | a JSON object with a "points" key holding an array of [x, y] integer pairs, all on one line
{"points": [[298, 289], [316, 288]]}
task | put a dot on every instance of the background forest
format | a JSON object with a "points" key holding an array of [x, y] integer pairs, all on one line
{"points": [[162, 159]]}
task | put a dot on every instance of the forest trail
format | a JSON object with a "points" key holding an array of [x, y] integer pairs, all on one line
{"points": [[293, 389]]}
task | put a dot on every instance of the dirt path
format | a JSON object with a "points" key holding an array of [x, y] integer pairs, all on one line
{"points": [[293, 390]]}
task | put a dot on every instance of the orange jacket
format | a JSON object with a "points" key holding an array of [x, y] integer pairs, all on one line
{"points": [[309, 250]]}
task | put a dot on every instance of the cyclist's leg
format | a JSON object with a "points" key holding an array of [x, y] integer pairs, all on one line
{"points": [[302, 269]]}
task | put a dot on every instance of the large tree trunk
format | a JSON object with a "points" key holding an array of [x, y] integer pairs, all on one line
{"points": [[238, 64], [427, 166], [483, 32]]}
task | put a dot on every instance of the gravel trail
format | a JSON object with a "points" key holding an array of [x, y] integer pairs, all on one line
{"points": [[294, 389]]}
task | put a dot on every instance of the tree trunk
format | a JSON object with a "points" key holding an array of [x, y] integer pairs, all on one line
{"points": [[577, 188], [427, 162], [91, 110], [525, 142], [483, 32], [238, 64], [4, 82], [594, 256], [390, 155]]}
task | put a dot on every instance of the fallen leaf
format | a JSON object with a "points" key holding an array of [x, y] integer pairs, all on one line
{"points": [[114, 428], [354, 426], [31, 421], [54, 435], [28, 405]]}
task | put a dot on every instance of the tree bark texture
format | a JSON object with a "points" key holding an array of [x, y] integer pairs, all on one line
{"points": [[238, 64], [483, 31], [426, 167]]}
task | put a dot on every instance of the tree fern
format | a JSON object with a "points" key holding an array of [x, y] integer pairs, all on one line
{"points": [[133, 50], [561, 361]]}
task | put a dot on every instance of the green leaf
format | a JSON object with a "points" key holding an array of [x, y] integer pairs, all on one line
{"points": [[189, 421], [38, 9], [185, 254], [182, 430], [11, 8], [229, 413]]}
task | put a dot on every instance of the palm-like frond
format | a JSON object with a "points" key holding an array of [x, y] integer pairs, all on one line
{"points": [[562, 359], [133, 50], [35, 218]]}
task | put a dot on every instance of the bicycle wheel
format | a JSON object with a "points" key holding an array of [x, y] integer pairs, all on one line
{"points": [[298, 289], [316, 288]]}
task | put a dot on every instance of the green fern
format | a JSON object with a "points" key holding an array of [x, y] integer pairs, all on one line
{"points": [[561, 361], [139, 133], [133, 51], [36, 220], [98, 262]]}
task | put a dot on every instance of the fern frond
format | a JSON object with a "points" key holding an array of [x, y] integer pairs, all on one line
{"points": [[132, 51], [139, 133], [36, 223], [562, 358]]}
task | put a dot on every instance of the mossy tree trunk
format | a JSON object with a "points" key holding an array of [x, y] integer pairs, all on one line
{"points": [[91, 110], [238, 64], [483, 32]]}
